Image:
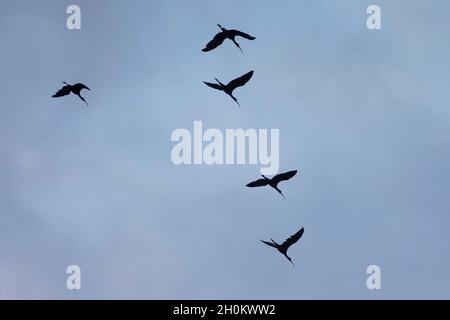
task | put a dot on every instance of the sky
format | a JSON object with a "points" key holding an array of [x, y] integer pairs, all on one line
{"points": [[363, 115]]}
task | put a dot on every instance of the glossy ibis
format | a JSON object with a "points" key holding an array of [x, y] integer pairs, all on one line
{"points": [[229, 88], [226, 34], [274, 181], [283, 248], [75, 89]]}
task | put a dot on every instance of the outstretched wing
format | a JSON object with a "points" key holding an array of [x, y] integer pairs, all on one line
{"points": [[213, 85], [293, 239], [284, 176], [215, 42], [242, 34], [79, 86], [64, 91], [268, 243], [239, 82], [258, 183]]}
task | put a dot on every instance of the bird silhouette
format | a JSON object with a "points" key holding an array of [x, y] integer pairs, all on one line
{"points": [[283, 248], [229, 88], [75, 89], [226, 34], [274, 181]]}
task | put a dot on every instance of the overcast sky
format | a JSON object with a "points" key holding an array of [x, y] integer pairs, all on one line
{"points": [[363, 115]]}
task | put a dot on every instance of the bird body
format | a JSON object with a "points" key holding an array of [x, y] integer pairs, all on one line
{"points": [[226, 34], [232, 85], [273, 182], [75, 89], [283, 248]]}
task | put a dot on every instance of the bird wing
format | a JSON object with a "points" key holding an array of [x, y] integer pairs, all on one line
{"points": [[268, 243], [64, 91], [215, 42], [293, 239], [284, 176], [79, 86], [258, 183], [242, 34], [213, 85], [239, 82]]}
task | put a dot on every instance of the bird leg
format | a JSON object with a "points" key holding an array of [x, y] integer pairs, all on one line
{"points": [[221, 84]]}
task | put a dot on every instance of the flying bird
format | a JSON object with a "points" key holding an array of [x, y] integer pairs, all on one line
{"points": [[274, 181], [283, 248], [75, 89], [226, 34], [229, 88]]}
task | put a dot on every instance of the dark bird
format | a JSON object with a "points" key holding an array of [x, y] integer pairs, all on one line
{"points": [[283, 248], [226, 34], [274, 181], [229, 88], [75, 89]]}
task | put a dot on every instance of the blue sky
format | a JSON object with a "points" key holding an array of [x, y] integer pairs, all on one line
{"points": [[363, 115]]}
